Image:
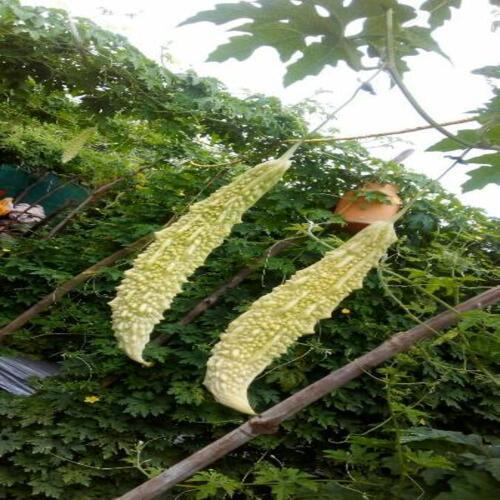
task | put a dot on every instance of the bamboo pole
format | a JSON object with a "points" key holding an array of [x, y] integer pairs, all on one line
{"points": [[269, 421]]}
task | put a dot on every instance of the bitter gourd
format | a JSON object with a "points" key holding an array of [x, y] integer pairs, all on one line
{"points": [[177, 251], [276, 320]]}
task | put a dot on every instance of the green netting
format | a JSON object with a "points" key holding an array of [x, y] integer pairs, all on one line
{"points": [[14, 180]]}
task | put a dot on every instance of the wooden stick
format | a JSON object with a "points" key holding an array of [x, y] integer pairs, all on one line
{"points": [[383, 134], [269, 421]]}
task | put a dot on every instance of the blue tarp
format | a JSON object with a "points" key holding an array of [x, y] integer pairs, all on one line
{"points": [[14, 372]]}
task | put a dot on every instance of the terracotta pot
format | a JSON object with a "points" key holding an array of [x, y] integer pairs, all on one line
{"points": [[359, 212]]}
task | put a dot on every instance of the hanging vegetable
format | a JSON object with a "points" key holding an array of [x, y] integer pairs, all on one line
{"points": [[276, 320], [160, 271], [75, 145]]}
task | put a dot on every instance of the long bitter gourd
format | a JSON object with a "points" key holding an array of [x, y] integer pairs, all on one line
{"points": [[276, 320], [159, 272]]}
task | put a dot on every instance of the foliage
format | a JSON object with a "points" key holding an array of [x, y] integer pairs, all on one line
{"points": [[427, 420]]}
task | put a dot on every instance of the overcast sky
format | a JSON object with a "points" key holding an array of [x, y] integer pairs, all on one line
{"points": [[446, 90]]}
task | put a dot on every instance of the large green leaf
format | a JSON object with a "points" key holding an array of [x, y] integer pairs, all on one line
{"points": [[415, 434], [489, 173], [469, 135], [224, 13], [240, 47], [286, 26], [317, 55]]}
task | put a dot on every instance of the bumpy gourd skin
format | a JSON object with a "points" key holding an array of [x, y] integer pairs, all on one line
{"points": [[276, 320], [159, 272]]}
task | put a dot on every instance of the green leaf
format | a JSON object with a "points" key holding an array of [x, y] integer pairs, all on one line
{"points": [[338, 455], [481, 177], [416, 434], [429, 460], [285, 26], [239, 47], [489, 71], [446, 337], [439, 10], [224, 13], [419, 37], [187, 393], [492, 465], [285, 482], [491, 159], [469, 135], [214, 485], [318, 55], [284, 38]]}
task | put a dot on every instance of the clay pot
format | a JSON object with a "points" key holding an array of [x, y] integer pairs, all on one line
{"points": [[359, 212]]}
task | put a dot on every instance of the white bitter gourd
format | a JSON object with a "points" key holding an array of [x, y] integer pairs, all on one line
{"points": [[276, 320], [159, 272]]}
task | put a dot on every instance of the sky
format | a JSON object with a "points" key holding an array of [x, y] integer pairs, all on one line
{"points": [[446, 89]]}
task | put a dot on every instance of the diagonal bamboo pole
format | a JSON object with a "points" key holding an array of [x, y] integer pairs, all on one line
{"points": [[268, 422]]}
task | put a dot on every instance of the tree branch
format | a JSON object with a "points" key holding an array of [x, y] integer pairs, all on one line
{"points": [[269, 421]]}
